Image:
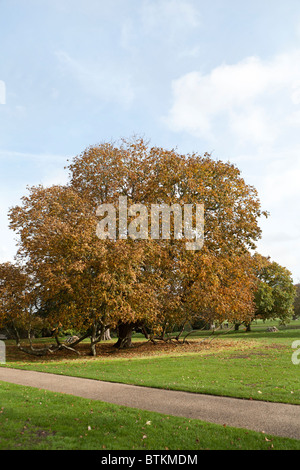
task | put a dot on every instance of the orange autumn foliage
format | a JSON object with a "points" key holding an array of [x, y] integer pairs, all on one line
{"points": [[95, 284]]}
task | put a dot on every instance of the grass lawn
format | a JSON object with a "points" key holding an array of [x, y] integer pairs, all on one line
{"points": [[256, 365], [43, 420]]}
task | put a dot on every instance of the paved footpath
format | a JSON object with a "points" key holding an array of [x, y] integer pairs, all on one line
{"points": [[272, 418]]}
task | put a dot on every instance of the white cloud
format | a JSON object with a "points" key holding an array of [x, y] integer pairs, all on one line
{"points": [[251, 124], [250, 111], [282, 182], [252, 100]]}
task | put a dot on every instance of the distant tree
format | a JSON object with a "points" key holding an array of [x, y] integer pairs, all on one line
{"points": [[275, 293], [297, 302]]}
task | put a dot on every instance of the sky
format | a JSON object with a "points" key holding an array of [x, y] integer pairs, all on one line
{"points": [[221, 77]]}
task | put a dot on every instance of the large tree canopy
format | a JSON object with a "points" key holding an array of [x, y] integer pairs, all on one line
{"points": [[93, 284], [151, 175]]}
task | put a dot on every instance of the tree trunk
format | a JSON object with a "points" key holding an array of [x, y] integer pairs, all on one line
{"points": [[124, 335], [248, 326], [236, 327], [106, 335], [94, 340]]}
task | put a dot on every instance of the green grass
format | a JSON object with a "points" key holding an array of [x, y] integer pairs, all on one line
{"points": [[44, 420], [257, 366], [268, 377]]}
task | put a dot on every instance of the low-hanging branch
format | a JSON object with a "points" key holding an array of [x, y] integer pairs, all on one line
{"points": [[31, 350]]}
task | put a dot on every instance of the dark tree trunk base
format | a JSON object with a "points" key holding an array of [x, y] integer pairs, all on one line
{"points": [[124, 336]]}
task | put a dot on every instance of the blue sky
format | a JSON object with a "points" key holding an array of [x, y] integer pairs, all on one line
{"points": [[220, 76]]}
